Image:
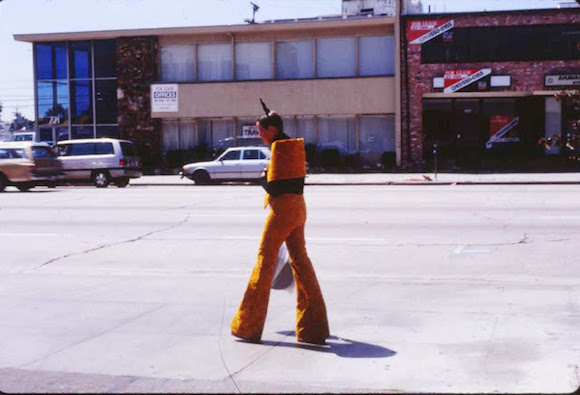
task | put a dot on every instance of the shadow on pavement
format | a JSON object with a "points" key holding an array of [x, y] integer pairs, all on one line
{"points": [[342, 347]]}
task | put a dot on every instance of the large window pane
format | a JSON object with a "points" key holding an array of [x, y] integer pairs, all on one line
{"points": [[305, 129], [376, 55], [337, 133], [82, 132], [51, 61], [52, 102], [81, 99], [377, 134], [80, 59], [215, 62], [170, 135], [295, 59], [254, 61], [105, 58], [106, 101], [178, 63], [335, 57], [186, 134], [108, 131]]}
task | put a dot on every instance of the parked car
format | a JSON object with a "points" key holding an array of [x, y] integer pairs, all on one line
{"points": [[100, 161], [23, 136], [26, 164], [234, 164]]}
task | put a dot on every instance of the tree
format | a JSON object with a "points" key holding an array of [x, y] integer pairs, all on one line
{"points": [[19, 122], [570, 141]]}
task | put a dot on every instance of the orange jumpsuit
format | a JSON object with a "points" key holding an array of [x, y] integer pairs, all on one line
{"points": [[285, 223]]}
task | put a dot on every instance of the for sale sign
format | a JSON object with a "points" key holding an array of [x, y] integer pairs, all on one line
{"points": [[421, 31], [455, 80], [164, 98]]}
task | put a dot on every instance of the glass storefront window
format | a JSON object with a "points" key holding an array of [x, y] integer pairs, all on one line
{"points": [[305, 129], [335, 57], [295, 59], [81, 102], [52, 102], [82, 132], [337, 133], [105, 58], [80, 59], [254, 61], [215, 62], [170, 135], [377, 133], [51, 61], [106, 101], [108, 131], [376, 55], [178, 63]]}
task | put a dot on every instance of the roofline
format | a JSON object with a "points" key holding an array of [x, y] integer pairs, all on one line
{"points": [[206, 30], [481, 13]]}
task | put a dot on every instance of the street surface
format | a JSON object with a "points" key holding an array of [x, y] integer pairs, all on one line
{"points": [[436, 288]]}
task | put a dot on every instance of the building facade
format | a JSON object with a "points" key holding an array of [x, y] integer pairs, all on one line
{"points": [[483, 91], [182, 92]]}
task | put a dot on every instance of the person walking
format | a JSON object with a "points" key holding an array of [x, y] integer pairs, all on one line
{"points": [[284, 184]]}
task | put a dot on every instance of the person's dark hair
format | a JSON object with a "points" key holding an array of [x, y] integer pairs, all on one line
{"points": [[272, 119]]}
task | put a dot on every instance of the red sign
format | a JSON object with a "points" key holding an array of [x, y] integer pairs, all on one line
{"points": [[420, 31], [496, 122], [454, 80], [502, 129]]}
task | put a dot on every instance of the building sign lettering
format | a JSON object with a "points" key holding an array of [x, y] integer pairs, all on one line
{"points": [[250, 132], [562, 80], [164, 98], [422, 31]]}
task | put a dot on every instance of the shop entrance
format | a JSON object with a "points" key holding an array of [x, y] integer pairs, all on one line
{"points": [[488, 134]]}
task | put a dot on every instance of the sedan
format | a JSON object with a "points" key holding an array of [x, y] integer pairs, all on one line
{"points": [[235, 164]]}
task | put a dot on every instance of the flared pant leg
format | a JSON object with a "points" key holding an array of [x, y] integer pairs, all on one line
{"points": [[311, 319], [248, 322]]}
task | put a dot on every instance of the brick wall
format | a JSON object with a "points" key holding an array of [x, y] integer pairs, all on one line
{"points": [[136, 70], [417, 78]]}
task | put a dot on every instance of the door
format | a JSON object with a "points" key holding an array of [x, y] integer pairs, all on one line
{"points": [[228, 166], [253, 163]]}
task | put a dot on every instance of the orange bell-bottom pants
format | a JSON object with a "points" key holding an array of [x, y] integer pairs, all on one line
{"points": [[285, 223]]}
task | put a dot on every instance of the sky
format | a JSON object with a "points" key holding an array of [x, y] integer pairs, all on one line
{"points": [[52, 16]]}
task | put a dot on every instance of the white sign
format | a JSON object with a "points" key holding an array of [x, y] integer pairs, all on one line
{"points": [[562, 80], [164, 98], [250, 132]]}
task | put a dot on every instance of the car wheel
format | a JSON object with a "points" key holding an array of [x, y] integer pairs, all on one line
{"points": [[3, 182], [101, 179], [24, 187], [122, 182], [201, 177]]}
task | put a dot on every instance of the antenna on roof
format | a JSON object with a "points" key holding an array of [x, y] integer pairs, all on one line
{"points": [[255, 8]]}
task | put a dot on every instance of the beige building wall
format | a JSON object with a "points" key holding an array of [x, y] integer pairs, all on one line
{"points": [[346, 96]]}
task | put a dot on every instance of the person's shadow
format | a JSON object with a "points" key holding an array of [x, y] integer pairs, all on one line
{"points": [[342, 347]]}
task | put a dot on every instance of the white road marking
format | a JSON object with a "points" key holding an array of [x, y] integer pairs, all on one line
{"points": [[465, 249]]}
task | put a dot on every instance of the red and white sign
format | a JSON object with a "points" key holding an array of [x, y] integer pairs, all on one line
{"points": [[454, 80], [501, 128], [421, 31]]}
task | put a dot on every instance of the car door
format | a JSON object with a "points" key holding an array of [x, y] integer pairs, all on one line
{"points": [[252, 165], [228, 166]]}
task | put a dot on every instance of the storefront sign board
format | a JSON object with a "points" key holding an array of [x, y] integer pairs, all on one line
{"points": [[421, 31], [164, 98], [455, 80]]}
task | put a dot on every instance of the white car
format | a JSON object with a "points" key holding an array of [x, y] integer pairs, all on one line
{"points": [[235, 164]]}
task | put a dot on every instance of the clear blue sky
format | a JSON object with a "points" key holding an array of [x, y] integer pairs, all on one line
{"points": [[49, 16]]}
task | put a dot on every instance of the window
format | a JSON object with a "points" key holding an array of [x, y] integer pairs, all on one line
{"points": [[82, 132], [52, 102], [337, 133], [254, 61], [503, 43], [104, 148], [377, 133], [80, 59], [335, 57], [251, 154], [170, 135], [51, 61], [305, 129], [105, 59], [232, 155], [295, 59], [376, 55], [178, 63], [42, 153], [81, 102], [106, 101], [81, 149], [215, 62], [127, 148]]}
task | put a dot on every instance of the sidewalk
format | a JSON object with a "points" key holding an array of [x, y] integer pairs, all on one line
{"points": [[401, 179]]}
